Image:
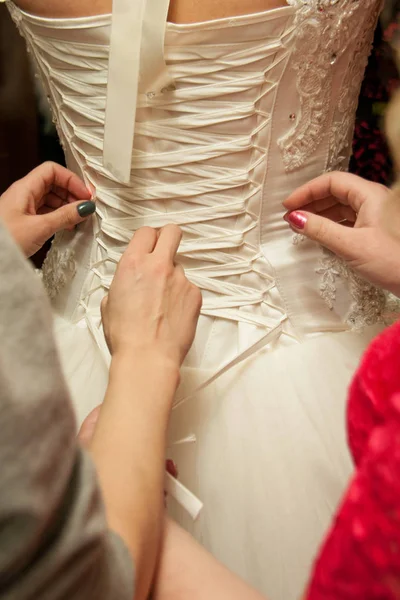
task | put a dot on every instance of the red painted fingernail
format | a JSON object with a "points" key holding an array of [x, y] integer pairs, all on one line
{"points": [[296, 219], [172, 468]]}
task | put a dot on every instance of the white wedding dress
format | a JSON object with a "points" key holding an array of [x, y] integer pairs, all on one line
{"points": [[249, 108]]}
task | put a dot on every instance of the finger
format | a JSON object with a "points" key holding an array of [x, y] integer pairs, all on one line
{"points": [[44, 210], [56, 198], [339, 213], [57, 193], [86, 432], [169, 241], [348, 189], [39, 182], [52, 200], [346, 242], [180, 270], [62, 193], [143, 241], [66, 195], [67, 216], [318, 206]]}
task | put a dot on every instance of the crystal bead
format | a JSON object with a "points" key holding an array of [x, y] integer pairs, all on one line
{"points": [[168, 88]]}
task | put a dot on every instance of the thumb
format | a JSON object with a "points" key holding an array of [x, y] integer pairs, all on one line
{"points": [[344, 241], [68, 216]]}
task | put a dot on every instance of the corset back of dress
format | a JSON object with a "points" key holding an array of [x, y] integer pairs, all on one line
{"points": [[259, 105]]}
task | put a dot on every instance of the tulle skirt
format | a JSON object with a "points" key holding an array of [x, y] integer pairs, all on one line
{"points": [[264, 448]]}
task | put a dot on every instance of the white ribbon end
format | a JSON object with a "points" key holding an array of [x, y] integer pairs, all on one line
{"points": [[183, 496]]}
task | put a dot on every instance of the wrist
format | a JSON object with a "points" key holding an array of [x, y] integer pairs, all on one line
{"points": [[145, 355], [147, 366]]}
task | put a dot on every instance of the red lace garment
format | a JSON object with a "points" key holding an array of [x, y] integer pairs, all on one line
{"points": [[360, 559]]}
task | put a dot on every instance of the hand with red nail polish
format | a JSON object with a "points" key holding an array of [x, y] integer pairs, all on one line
{"points": [[356, 219], [50, 198]]}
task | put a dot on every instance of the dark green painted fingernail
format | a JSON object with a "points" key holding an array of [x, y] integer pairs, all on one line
{"points": [[86, 208]]}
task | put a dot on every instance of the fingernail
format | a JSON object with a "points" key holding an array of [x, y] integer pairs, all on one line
{"points": [[296, 219], [86, 208]]}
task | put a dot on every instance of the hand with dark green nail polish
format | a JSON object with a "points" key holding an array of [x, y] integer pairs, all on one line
{"points": [[49, 199]]}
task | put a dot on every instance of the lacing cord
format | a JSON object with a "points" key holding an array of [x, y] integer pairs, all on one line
{"points": [[226, 252]]}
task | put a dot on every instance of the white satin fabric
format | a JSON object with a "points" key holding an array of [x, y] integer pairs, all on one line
{"points": [[258, 428]]}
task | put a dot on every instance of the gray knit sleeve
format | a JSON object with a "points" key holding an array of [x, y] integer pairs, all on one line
{"points": [[54, 539]]}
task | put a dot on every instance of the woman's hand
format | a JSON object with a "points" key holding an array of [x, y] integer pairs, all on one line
{"points": [[151, 305], [49, 199], [149, 320], [356, 219]]}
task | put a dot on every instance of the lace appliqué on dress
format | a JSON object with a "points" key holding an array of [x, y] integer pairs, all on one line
{"points": [[323, 30], [58, 269], [298, 238], [341, 134], [14, 13], [370, 305]]}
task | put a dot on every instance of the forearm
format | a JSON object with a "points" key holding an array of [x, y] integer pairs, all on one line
{"points": [[128, 448], [188, 572]]}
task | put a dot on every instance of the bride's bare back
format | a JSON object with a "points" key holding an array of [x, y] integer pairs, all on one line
{"points": [[181, 11]]}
